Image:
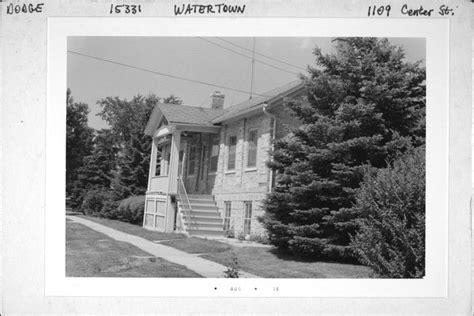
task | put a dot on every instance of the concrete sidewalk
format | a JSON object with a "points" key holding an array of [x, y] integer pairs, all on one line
{"points": [[203, 267]]}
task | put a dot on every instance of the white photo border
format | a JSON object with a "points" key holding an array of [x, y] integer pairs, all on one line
{"points": [[436, 35]]}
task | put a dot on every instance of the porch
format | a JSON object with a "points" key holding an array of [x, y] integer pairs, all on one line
{"points": [[184, 154], [182, 173]]}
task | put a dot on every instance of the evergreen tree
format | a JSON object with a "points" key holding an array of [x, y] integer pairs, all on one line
{"points": [[79, 138], [98, 167], [364, 105], [132, 174], [127, 120]]}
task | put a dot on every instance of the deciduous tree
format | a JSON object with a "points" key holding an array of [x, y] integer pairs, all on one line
{"points": [[79, 138]]}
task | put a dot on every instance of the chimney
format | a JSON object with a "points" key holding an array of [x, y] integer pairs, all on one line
{"points": [[217, 100]]}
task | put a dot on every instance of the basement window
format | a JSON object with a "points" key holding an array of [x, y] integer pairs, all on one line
{"points": [[247, 217], [227, 214]]}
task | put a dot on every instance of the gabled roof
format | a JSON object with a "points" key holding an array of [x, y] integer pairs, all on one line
{"points": [[177, 114], [174, 113], [257, 102]]}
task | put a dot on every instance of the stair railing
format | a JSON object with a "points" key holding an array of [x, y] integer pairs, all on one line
{"points": [[184, 198]]}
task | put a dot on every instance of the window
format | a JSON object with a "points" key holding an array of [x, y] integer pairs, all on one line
{"points": [[232, 153], [158, 164], [227, 214], [252, 148], [163, 162], [214, 153], [168, 158], [247, 217], [192, 160]]}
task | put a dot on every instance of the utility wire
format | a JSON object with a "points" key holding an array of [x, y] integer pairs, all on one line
{"points": [[246, 56], [260, 54], [161, 73]]}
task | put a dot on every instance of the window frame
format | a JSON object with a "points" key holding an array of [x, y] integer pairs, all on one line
{"points": [[227, 215], [234, 154], [215, 141], [247, 217], [253, 130]]}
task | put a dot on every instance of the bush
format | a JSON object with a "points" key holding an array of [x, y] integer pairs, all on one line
{"points": [[241, 236], [230, 233], [232, 268], [391, 203], [94, 201], [261, 239], [102, 203], [131, 210]]}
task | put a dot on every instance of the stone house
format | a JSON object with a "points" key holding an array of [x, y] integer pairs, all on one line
{"points": [[208, 170]]}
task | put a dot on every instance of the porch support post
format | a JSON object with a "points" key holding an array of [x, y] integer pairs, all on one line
{"points": [[174, 163], [172, 180], [152, 170]]}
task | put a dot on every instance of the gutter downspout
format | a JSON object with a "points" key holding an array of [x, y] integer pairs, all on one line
{"points": [[273, 133]]}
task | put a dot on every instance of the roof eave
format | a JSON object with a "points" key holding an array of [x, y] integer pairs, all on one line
{"points": [[155, 119], [259, 106]]}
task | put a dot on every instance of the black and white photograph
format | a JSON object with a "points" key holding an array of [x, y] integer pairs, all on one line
{"points": [[252, 157], [245, 157]]}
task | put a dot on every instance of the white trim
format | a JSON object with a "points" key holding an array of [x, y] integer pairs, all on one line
{"points": [[163, 131], [252, 169]]}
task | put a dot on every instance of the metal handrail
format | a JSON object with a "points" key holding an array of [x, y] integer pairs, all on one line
{"points": [[183, 196]]}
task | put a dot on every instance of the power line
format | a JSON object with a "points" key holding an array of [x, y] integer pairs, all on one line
{"points": [[243, 55], [161, 73], [260, 54]]}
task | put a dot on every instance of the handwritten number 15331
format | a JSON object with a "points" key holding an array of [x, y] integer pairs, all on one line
{"points": [[125, 8], [379, 10]]}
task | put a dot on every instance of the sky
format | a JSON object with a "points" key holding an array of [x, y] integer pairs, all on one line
{"points": [[193, 58]]}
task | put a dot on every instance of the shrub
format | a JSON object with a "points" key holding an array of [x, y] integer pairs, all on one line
{"points": [[94, 201], [261, 239], [241, 236], [233, 268], [391, 203], [230, 233], [131, 210]]}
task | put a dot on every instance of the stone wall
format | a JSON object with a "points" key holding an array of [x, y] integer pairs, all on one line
{"points": [[243, 183], [286, 122]]}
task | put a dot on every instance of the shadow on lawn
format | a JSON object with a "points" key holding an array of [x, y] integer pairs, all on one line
{"points": [[288, 256]]}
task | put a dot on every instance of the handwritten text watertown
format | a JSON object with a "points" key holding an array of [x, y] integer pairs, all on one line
{"points": [[185, 9]]}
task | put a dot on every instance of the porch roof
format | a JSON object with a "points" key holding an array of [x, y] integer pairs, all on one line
{"points": [[180, 114]]}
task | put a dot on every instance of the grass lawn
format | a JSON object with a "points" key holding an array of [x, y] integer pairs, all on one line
{"points": [[264, 262], [198, 245], [92, 254], [134, 229], [268, 263]]}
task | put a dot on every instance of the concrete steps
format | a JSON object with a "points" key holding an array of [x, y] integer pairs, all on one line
{"points": [[203, 219]]}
